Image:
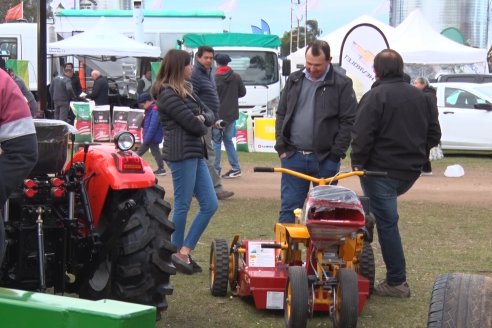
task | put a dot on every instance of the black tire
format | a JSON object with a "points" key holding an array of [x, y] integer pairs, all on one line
{"points": [[141, 272], [461, 300], [366, 266], [219, 267], [347, 300], [296, 298]]}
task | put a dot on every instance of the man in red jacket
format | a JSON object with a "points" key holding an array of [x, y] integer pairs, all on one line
{"points": [[18, 142]]}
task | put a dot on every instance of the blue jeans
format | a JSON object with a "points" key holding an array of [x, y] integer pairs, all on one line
{"points": [[225, 135], [191, 177], [383, 193], [294, 190]]}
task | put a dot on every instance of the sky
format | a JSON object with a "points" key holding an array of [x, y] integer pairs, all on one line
{"points": [[241, 14]]}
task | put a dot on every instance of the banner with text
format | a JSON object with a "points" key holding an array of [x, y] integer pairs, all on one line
{"points": [[359, 47]]}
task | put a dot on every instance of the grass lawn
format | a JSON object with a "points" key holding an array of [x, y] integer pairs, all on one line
{"points": [[437, 237]]}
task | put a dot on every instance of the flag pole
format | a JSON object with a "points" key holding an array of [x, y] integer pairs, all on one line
{"points": [[42, 56]]}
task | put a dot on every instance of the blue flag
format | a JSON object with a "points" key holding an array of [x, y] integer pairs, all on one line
{"points": [[265, 27], [256, 30]]}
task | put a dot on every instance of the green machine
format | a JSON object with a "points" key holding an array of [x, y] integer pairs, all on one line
{"points": [[19, 309]]}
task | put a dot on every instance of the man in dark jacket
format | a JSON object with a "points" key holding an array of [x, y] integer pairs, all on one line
{"points": [[204, 86], [152, 131], [422, 83], [230, 88], [100, 89], [62, 93], [396, 124], [314, 118], [31, 101]]}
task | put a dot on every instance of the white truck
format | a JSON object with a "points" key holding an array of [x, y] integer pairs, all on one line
{"points": [[255, 58], [20, 41]]}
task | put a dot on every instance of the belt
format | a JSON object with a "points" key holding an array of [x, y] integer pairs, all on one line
{"points": [[305, 152]]}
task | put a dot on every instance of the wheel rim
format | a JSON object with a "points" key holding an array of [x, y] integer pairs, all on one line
{"points": [[212, 269], [100, 278], [288, 300]]}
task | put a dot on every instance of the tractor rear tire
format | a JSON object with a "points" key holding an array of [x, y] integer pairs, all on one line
{"points": [[366, 266], [143, 267], [139, 270], [219, 267], [461, 300], [296, 298], [347, 300]]}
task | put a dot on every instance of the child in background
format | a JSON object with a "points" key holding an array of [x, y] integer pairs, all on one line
{"points": [[152, 132]]}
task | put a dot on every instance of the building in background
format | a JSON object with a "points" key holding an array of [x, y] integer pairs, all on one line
{"points": [[470, 17]]}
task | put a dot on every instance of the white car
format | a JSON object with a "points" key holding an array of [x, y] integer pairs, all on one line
{"points": [[465, 115]]}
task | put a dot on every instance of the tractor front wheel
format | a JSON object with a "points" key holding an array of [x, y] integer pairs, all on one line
{"points": [[219, 267], [347, 299], [296, 298]]}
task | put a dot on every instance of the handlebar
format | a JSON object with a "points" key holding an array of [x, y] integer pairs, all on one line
{"points": [[320, 181]]}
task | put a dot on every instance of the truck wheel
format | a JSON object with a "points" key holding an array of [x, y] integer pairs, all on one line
{"points": [[366, 267], [296, 298], [219, 267], [347, 299], [461, 300]]}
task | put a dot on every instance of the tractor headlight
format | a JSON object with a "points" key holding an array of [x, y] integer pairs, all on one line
{"points": [[124, 140]]}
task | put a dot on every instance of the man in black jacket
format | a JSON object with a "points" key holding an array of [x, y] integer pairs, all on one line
{"points": [[314, 118], [395, 125], [100, 89], [204, 86], [230, 88]]}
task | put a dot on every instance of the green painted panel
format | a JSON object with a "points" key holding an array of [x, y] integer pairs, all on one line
{"points": [[21, 309]]}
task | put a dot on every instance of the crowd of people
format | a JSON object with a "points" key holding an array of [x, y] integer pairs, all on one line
{"points": [[193, 111]]}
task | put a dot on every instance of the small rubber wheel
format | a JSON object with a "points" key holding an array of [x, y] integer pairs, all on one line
{"points": [[219, 267], [347, 299], [296, 298]]}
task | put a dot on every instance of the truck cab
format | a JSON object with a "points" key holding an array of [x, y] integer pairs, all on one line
{"points": [[20, 41], [255, 58]]}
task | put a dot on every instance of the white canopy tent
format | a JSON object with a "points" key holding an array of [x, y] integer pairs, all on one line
{"points": [[426, 52], [102, 41], [336, 37]]}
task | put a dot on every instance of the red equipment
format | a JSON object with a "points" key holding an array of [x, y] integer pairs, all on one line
{"points": [[337, 274]]}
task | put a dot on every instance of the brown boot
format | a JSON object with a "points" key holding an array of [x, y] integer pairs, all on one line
{"points": [[224, 194]]}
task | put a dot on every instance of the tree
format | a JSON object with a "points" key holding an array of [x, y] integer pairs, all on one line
{"points": [[313, 32]]}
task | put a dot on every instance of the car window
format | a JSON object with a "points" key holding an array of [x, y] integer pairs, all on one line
{"points": [[461, 98]]}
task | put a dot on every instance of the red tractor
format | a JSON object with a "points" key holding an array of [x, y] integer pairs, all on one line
{"points": [[97, 226], [323, 263]]}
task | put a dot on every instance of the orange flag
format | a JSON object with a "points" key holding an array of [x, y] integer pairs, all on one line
{"points": [[15, 13]]}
